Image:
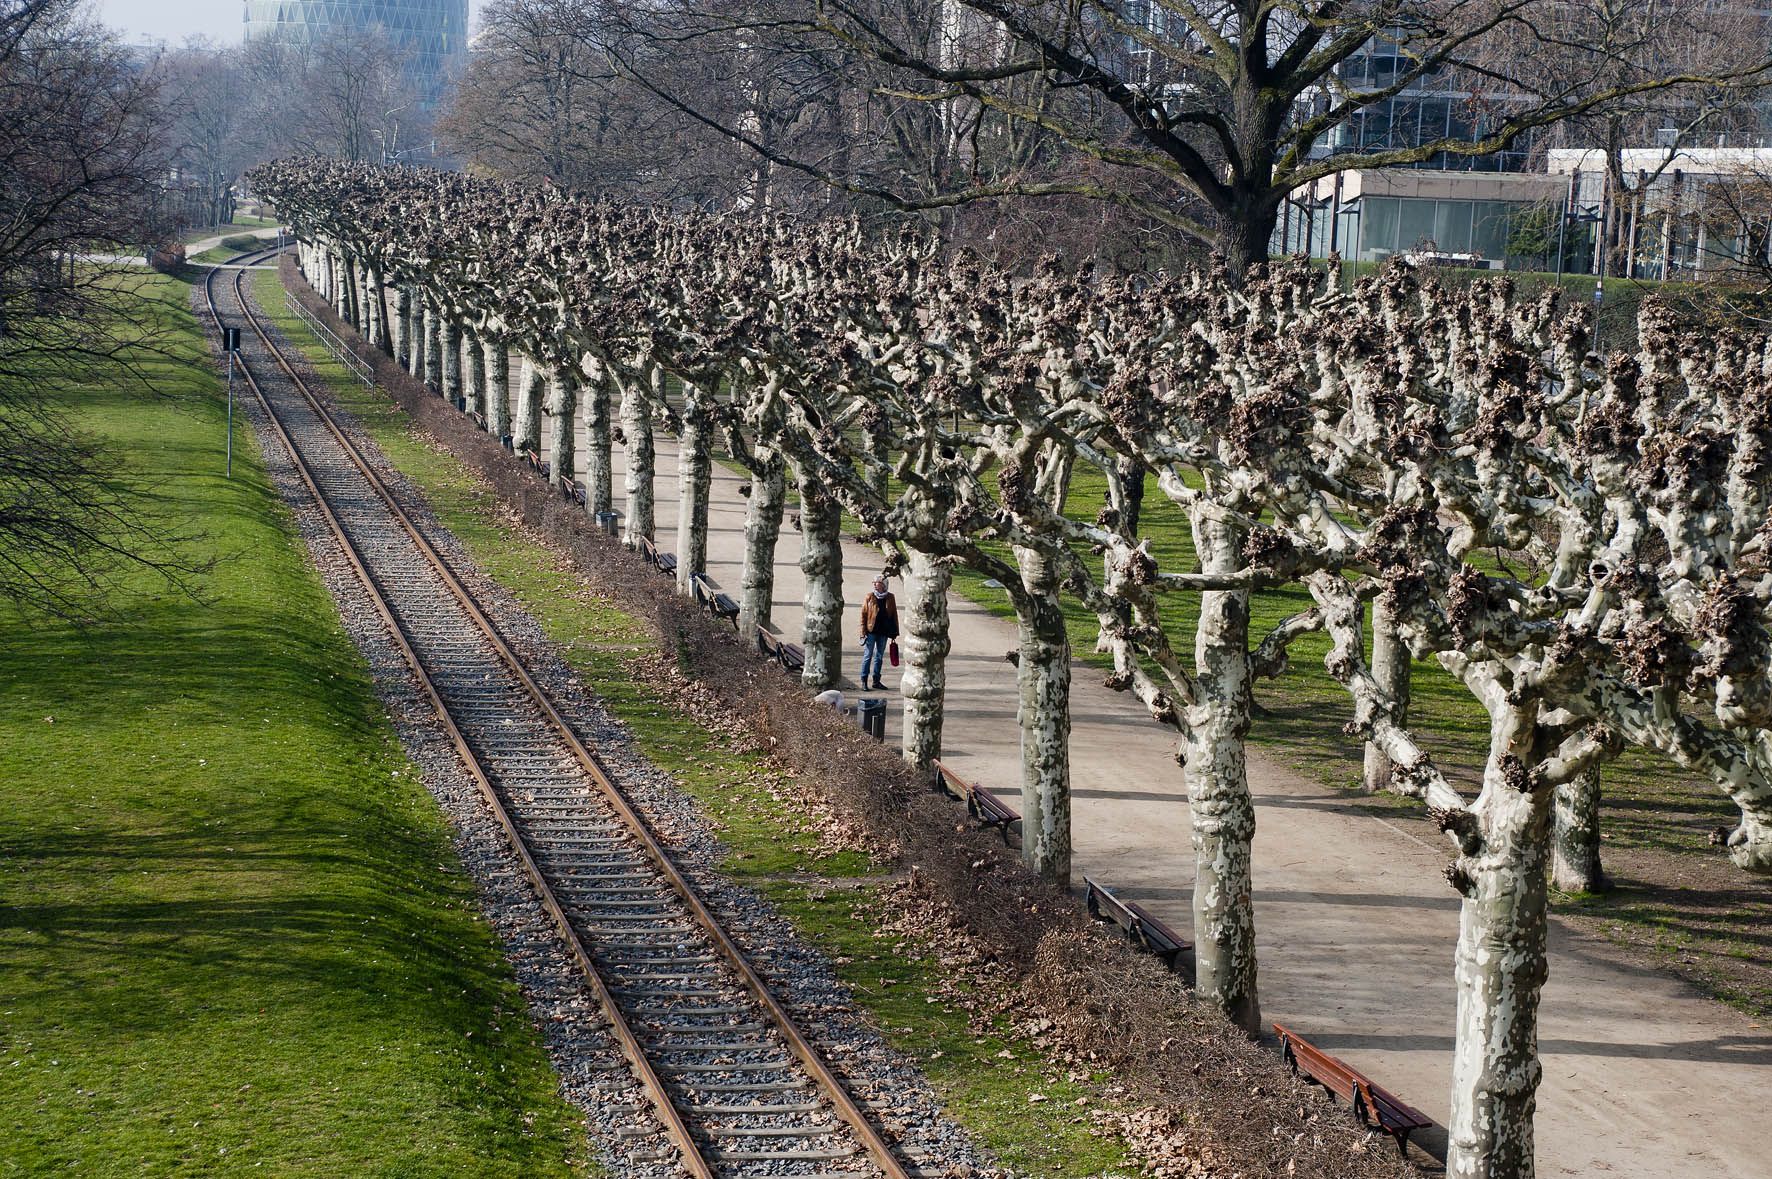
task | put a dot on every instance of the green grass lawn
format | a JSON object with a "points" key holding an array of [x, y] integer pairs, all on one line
{"points": [[240, 224], [234, 937], [769, 847], [226, 253]]}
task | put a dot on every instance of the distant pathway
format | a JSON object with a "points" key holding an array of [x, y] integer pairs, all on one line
{"points": [[192, 249], [1643, 1077]]}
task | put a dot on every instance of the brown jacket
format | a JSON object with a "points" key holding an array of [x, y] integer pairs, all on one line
{"points": [[879, 616]]}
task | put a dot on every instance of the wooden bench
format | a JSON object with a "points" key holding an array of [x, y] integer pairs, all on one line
{"points": [[536, 463], [791, 656], [1376, 1107], [575, 491], [1142, 927], [981, 804], [719, 605], [666, 562]]}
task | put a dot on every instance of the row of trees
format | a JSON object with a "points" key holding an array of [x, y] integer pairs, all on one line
{"points": [[1381, 448], [346, 93]]}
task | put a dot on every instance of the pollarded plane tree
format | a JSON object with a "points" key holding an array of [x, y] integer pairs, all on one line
{"points": [[1172, 380], [681, 298], [593, 296], [1462, 424], [483, 270], [360, 233], [972, 376], [845, 371]]}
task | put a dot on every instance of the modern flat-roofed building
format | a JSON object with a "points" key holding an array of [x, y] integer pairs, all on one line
{"points": [[1372, 214], [431, 32], [1691, 211]]}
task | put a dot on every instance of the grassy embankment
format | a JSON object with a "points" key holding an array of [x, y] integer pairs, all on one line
{"points": [[232, 246], [241, 222], [236, 937], [985, 1079]]}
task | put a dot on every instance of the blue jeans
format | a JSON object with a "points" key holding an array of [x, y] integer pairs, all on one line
{"points": [[873, 655]]}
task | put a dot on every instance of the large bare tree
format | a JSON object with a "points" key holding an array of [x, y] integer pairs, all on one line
{"points": [[1202, 116], [82, 162]]}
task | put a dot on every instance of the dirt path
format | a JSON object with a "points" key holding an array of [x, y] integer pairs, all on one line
{"points": [[1643, 1076]]}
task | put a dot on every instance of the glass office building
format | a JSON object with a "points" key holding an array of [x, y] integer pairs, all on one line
{"points": [[1467, 218], [432, 32], [1431, 109]]}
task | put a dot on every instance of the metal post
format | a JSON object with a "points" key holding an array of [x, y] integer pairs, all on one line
{"points": [[1563, 220], [231, 346]]}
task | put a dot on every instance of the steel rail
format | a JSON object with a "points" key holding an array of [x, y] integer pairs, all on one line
{"points": [[693, 1161], [833, 1089]]}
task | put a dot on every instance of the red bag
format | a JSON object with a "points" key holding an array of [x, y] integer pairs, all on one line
{"points": [[892, 652]]}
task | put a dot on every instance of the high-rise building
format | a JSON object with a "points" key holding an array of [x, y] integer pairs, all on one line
{"points": [[430, 32]]}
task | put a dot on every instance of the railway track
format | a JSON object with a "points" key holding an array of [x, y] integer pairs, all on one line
{"points": [[725, 1086]]}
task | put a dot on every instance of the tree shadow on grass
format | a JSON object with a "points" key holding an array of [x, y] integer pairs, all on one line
{"points": [[333, 912]]}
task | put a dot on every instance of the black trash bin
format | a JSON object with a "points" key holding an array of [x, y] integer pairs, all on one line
{"points": [[871, 715]]}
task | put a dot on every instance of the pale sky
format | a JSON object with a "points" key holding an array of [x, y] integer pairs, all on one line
{"points": [[173, 21]]}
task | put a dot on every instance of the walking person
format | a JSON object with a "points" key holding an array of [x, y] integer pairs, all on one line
{"points": [[879, 626]]}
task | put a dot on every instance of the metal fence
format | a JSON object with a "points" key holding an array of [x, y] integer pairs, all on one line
{"points": [[340, 351]]}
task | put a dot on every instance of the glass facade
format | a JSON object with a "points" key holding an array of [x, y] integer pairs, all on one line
{"points": [[1477, 232], [1428, 109], [432, 31]]}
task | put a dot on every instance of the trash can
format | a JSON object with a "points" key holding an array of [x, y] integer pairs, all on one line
{"points": [[870, 714], [607, 521]]}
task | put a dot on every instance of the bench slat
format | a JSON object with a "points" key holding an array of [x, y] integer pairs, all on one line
{"points": [[1376, 1106], [1142, 927], [981, 804]]}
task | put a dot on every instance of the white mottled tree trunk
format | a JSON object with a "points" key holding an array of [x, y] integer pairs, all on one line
{"points": [[341, 291], [925, 651], [695, 476], [384, 332], [1391, 669], [1500, 966], [877, 440], [637, 450], [1575, 852], [762, 530], [599, 464], [1043, 675], [498, 388], [433, 348], [402, 315], [363, 319], [451, 342], [1217, 776], [563, 434], [526, 420], [415, 334], [821, 563], [474, 371], [369, 304]]}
